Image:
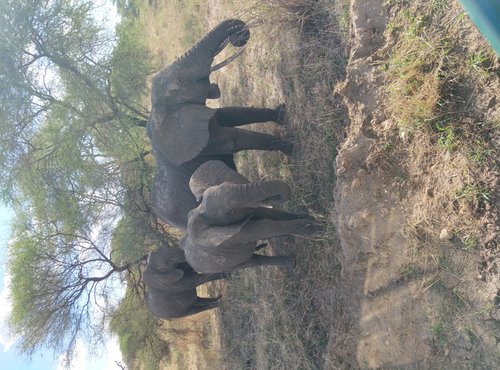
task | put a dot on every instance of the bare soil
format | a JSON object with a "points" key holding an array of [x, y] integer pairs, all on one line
{"points": [[419, 299], [407, 274]]}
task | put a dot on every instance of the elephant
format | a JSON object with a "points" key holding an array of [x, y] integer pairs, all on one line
{"points": [[223, 230], [172, 283], [185, 133]]}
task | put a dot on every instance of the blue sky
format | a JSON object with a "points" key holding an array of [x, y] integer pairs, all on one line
{"points": [[9, 356]]}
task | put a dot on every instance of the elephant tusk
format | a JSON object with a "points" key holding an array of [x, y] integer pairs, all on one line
{"points": [[221, 47], [228, 60]]}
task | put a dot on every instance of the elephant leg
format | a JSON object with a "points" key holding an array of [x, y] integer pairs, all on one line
{"points": [[264, 229], [229, 140], [213, 91], [263, 213], [238, 116], [193, 279], [253, 140], [201, 305], [260, 260]]}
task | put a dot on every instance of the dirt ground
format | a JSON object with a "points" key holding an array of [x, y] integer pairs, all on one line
{"points": [[407, 274], [420, 301]]}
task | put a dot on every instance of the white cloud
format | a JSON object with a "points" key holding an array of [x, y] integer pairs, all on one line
{"points": [[79, 360], [82, 360], [107, 12], [113, 354], [6, 340]]}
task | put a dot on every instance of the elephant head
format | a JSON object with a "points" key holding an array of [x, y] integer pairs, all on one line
{"points": [[163, 268], [228, 197], [172, 283], [213, 173], [179, 92]]}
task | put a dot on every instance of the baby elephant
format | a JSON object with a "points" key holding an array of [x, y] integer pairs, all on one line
{"points": [[223, 230], [172, 285]]}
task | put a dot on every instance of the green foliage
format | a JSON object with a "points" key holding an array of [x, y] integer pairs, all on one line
{"points": [[447, 137], [129, 8], [138, 332], [438, 331], [72, 162], [132, 64], [45, 304], [470, 243], [134, 235], [474, 193]]}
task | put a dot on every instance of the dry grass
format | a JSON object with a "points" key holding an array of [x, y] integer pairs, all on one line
{"points": [[271, 318], [300, 319]]}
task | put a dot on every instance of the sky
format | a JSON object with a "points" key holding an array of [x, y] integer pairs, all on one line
{"points": [[9, 356]]}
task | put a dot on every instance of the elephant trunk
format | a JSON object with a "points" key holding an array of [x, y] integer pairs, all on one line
{"points": [[200, 57], [256, 193]]}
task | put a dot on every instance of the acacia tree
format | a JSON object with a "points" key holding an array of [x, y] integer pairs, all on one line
{"points": [[72, 164], [55, 56], [61, 284]]}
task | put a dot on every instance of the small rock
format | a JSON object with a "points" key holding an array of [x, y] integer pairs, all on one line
{"points": [[445, 235]]}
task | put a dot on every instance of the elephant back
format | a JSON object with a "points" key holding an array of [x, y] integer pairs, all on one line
{"points": [[213, 173], [208, 258]]}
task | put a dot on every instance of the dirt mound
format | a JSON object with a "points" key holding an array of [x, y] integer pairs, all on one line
{"points": [[421, 300]]}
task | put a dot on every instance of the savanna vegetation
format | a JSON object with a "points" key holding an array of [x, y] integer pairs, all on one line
{"points": [[76, 168]]}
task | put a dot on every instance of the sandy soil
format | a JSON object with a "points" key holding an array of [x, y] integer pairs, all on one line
{"points": [[395, 230]]}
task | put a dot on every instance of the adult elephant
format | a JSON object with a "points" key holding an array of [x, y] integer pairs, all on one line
{"points": [[185, 133], [223, 230], [172, 283]]}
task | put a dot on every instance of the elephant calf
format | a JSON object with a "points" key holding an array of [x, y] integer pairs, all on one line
{"points": [[172, 285], [223, 230]]}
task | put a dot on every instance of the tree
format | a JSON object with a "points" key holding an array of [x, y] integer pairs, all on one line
{"points": [[54, 56], [138, 331], [61, 284], [73, 165]]}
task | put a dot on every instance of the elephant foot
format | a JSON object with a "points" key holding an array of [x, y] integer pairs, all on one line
{"points": [[314, 228], [281, 115], [284, 146], [290, 261], [308, 226]]}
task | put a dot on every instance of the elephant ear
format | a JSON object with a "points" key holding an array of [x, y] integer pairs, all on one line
{"points": [[165, 259], [213, 173], [183, 134], [212, 236], [170, 277], [159, 280]]}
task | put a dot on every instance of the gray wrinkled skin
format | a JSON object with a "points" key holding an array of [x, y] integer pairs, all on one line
{"points": [[223, 230]]}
